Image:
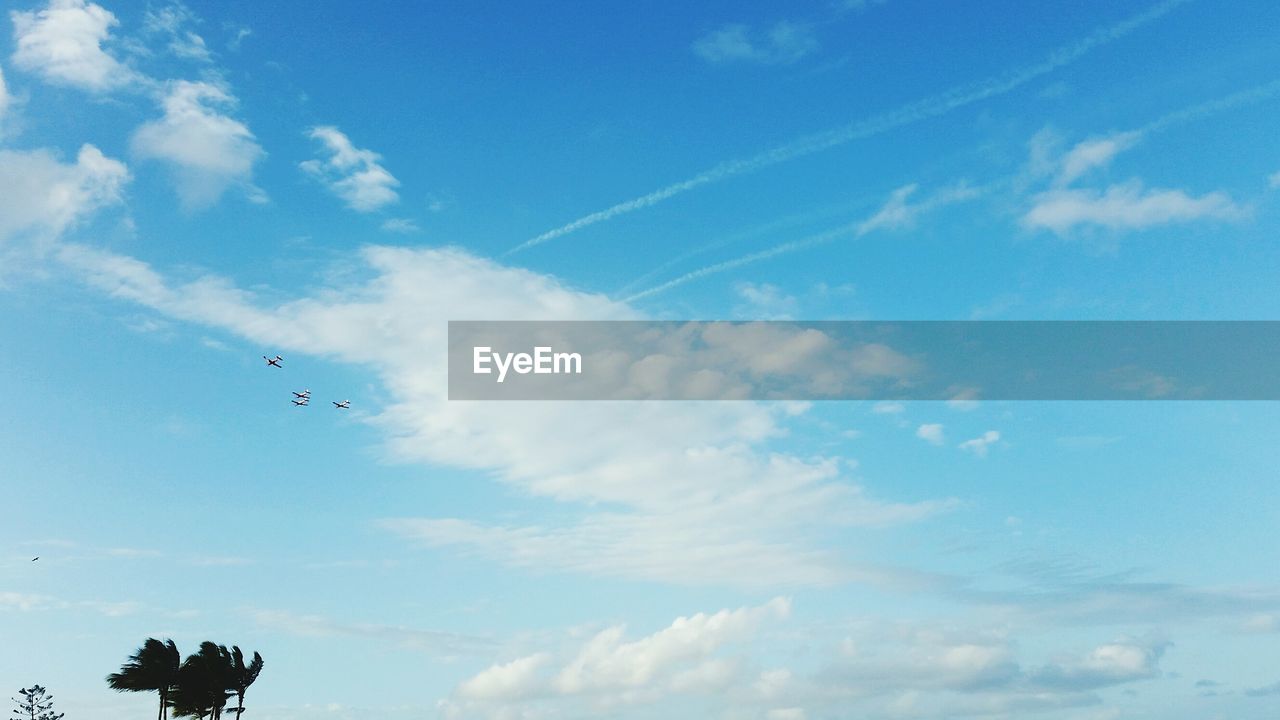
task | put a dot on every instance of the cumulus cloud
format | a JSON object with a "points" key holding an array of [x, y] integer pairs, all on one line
{"points": [[208, 151], [63, 43], [353, 174], [1127, 206], [609, 671], [723, 664], [980, 445], [43, 196], [931, 432], [784, 43], [672, 492]]}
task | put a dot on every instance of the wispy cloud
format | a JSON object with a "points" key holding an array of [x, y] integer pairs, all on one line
{"points": [[1264, 691], [404, 226], [784, 43], [174, 22], [353, 174], [1093, 153], [4, 98], [319, 626], [941, 104]]}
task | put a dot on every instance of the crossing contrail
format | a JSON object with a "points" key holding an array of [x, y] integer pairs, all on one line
{"points": [[1248, 96], [934, 106]]}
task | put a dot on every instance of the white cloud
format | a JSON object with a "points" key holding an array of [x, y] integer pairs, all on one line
{"points": [[765, 302], [671, 492], [980, 445], [4, 96], [1274, 180], [888, 408], [867, 667], [1126, 206], [43, 196], [353, 174], [63, 43], [931, 432], [784, 43], [208, 151]]}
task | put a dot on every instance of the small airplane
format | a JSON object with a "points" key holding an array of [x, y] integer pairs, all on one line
{"points": [[35, 558], [304, 395], [344, 405], [301, 403], [274, 362]]}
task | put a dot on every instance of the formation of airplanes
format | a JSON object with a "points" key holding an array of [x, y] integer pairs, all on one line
{"points": [[302, 398]]}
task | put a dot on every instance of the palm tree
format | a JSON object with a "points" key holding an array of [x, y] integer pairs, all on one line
{"points": [[242, 676], [154, 667], [204, 682]]}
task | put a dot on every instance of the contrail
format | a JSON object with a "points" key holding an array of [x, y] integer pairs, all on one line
{"points": [[1258, 93], [1251, 95], [895, 212], [774, 251], [952, 99]]}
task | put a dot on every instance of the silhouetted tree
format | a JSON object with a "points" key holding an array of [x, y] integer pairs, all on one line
{"points": [[204, 683], [198, 687], [36, 704], [242, 676], [153, 668]]}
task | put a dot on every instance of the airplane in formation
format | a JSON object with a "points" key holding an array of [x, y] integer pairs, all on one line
{"points": [[302, 398]]}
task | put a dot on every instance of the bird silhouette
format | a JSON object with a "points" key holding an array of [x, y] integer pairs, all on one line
{"points": [[35, 558]]}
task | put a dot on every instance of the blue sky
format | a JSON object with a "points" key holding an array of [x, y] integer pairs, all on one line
{"points": [[185, 188]]}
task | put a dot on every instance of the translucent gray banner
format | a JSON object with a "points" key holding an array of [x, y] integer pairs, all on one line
{"points": [[844, 360]]}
